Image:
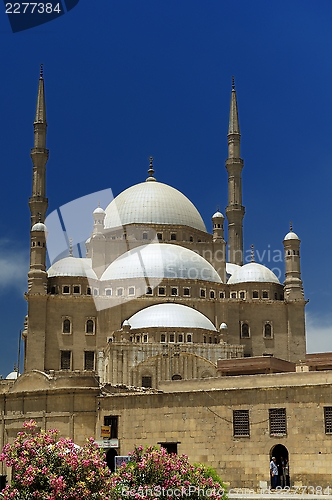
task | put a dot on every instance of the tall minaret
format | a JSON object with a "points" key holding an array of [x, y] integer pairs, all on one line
{"points": [[39, 155], [234, 164], [34, 335]]}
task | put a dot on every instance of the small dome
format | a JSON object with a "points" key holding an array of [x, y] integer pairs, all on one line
{"points": [[12, 375], [39, 226], [218, 215], [253, 272], [152, 203], [291, 236], [160, 261], [170, 316], [231, 268], [223, 326], [126, 323], [72, 266], [99, 210]]}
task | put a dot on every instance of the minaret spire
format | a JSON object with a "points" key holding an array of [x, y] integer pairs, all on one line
{"points": [[234, 164], [39, 155]]}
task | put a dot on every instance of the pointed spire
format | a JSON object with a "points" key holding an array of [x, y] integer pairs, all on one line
{"points": [[233, 127], [41, 106], [151, 170], [70, 247], [252, 252]]}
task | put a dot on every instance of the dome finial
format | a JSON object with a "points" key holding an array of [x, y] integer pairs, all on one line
{"points": [[41, 71], [233, 83], [151, 170], [252, 248], [39, 217], [70, 247], [291, 226]]}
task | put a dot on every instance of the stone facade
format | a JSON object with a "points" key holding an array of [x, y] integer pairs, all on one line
{"points": [[131, 335]]}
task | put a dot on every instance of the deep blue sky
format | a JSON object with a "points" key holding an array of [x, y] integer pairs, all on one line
{"points": [[126, 80]]}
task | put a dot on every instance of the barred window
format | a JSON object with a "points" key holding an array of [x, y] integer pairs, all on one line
{"points": [[89, 360], [328, 419], [241, 423], [65, 360], [90, 326], [66, 326], [278, 423], [147, 381], [245, 332]]}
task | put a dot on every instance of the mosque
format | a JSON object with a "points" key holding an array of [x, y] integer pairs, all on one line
{"points": [[162, 334]]}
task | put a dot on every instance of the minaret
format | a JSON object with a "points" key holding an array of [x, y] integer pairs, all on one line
{"points": [[293, 283], [39, 154], [35, 334], [234, 164], [294, 299]]}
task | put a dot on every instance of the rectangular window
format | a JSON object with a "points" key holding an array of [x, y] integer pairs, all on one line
{"points": [[113, 423], [171, 337], [119, 292], [265, 295], [159, 236], [221, 295], [170, 447], [233, 295], [65, 289], [173, 236], [203, 292], [146, 381], [65, 360], [161, 291], [89, 360], [186, 292], [255, 295], [241, 425], [278, 422], [212, 294], [76, 289], [242, 295], [148, 290], [328, 419], [174, 291]]}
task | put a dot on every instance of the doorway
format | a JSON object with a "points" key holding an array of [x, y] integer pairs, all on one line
{"points": [[282, 459], [110, 456]]}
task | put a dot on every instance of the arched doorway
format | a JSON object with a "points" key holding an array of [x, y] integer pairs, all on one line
{"points": [[282, 458], [110, 455]]}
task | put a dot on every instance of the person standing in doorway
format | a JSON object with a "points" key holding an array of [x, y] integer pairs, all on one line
{"points": [[274, 473]]}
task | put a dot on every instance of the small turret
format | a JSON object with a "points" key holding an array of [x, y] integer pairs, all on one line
{"points": [[293, 283], [219, 245], [98, 220]]}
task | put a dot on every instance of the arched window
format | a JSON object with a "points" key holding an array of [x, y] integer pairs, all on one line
{"points": [[90, 326], [189, 337], [108, 291], [267, 331], [162, 337], [177, 377], [66, 326], [245, 331]]}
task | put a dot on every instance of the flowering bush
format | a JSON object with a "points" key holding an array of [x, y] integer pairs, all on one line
{"points": [[153, 473], [45, 468]]}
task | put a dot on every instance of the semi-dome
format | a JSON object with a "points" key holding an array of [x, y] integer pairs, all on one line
{"points": [[170, 316], [253, 272], [161, 260], [72, 266], [291, 236], [12, 375], [152, 203]]}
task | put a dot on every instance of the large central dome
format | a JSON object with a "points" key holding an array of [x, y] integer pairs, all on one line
{"points": [[152, 203]]}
